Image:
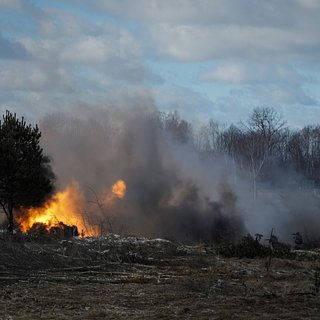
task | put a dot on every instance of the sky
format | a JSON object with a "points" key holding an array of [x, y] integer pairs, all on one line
{"points": [[215, 59]]}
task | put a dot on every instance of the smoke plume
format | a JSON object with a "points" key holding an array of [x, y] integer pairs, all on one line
{"points": [[171, 192]]}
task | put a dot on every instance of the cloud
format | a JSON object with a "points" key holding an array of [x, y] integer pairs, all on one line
{"points": [[17, 75], [285, 94], [98, 49], [208, 11], [85, 46], [204, 29], [70, 58], [192, 43], [253, 73], [11, 50], [277, 83], [11, 4], [192, 106], [57, 54], [228, 74]]}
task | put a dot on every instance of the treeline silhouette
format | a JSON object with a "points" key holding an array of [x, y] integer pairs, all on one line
{"points": [[263, 147]]}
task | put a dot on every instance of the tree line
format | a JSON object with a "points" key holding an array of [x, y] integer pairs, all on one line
{"points": [[263, 146]]}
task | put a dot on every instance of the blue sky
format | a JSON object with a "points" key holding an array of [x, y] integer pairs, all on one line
{"points": [[205, 58]]}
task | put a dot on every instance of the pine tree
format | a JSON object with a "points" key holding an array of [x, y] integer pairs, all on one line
{"points": [[26, 177]]}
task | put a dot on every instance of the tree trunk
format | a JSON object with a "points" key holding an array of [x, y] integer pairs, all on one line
{"points": [[254, 187]]}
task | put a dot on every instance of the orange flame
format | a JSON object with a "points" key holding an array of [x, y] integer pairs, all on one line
{"points": [[66, 206], [119, 189]]}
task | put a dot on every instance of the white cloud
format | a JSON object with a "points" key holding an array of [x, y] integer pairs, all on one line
{"points": [[202, 12], [309, 4], [85, 48], [228, 74], [100, 51], [192, 106], [276, 83], [11, 4], [253, 73], [193, 43], [69, 53], [214, 29], [274, 93], [26, 75]]}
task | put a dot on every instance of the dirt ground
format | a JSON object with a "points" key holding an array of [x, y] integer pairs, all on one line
{"points": [[152, 280]]}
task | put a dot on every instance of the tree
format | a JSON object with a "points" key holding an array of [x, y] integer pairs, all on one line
{"points": [[208, 139], [26, 177], [261, 136], [180, 129], [304, 151]]}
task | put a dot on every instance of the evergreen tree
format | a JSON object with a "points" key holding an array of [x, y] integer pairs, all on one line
{"points": [[26, 177]]}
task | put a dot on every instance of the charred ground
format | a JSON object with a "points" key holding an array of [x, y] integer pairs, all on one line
{"points": [[116, 277]]}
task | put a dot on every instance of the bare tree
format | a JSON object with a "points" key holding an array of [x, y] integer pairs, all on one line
{"points": [[261, 135], [304, 152], [104, 217], [180, 129], [209, 139]]}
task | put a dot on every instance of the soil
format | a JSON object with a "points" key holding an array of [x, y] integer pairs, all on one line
{"points": [[119, 278]]}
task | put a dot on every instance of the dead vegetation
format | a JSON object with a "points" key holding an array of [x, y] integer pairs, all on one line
{"points": [[137, 278]]}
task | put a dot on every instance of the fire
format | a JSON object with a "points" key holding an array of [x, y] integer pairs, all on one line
{"points": [[66, 207], [119, 189]]}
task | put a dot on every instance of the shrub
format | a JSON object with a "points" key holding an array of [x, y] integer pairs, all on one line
{"points": [[248, 247]]}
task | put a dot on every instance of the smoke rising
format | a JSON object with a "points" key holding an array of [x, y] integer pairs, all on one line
{"points": [[172, 191]]}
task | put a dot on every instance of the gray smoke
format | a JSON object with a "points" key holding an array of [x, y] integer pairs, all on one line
{"points": [[171, 192], [287, 211]]}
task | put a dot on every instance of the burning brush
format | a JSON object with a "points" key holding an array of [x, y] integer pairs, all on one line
{"points": [[62, 215]]}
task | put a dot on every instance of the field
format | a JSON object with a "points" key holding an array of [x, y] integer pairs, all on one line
{"points": [[137, 278]]}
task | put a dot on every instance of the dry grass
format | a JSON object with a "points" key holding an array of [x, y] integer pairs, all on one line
{"points": [[171, 285]]}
